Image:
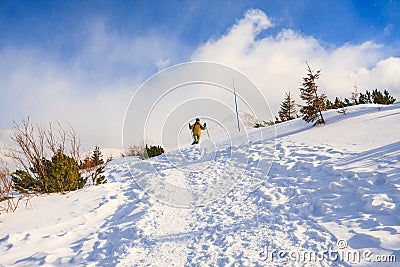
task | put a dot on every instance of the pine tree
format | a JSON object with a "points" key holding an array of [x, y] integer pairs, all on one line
{"points": [[376, 97], [384, 99], [315, 103], [388, 99], [338, 103], [288, 108], [369, 97], [97, 156], [329, 104], [363, 99], [61, 174], [98, 177]]}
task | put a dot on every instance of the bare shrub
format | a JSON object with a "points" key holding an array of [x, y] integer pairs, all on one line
{"points": [[9, 198], [135, 151]]}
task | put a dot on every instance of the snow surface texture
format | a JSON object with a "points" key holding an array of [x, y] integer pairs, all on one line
{"points": [[333, 186]]}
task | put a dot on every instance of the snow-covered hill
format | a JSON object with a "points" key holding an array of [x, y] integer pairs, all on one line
{"points": [[332, 194]]}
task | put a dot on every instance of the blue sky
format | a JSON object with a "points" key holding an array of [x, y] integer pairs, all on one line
{"points": [[56, 26], [73, 60]]}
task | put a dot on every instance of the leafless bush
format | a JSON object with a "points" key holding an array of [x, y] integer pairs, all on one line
{"points": [[9, 198], [57, 142], [135, 151], [75, 144], [343, 109]]}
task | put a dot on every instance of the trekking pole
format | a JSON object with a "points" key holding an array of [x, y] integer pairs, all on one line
{"points": [[208, 133], [237, 113]]}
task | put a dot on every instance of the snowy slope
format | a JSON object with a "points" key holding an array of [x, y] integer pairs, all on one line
{"points": [[334, 187]]}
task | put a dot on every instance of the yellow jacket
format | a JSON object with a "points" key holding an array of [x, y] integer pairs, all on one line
{"points": [[196, 128]]}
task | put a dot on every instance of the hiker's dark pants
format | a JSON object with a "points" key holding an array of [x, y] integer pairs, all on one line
{"points": [[196, 139]]}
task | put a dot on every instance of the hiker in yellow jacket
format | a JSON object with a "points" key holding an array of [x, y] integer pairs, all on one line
{"points": [[196, 130]]}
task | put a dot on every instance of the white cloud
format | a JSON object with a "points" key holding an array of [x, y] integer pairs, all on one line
{"points": [[384, 75], [277, 62], [89, 90]]}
